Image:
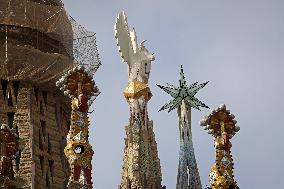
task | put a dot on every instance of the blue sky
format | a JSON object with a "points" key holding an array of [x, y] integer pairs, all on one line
{"points": [[236, 45]]}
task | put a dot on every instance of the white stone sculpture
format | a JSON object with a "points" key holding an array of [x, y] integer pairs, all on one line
{"points": [[137, 57]]}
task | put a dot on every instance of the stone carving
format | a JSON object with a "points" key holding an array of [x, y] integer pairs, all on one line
{"points": [[137, 57]]}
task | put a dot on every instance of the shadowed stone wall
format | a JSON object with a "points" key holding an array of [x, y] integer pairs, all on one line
{"points": [[41, 119]]}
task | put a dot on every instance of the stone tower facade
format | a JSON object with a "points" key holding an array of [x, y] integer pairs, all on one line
{"points": [[41, 119], [35, 49]]}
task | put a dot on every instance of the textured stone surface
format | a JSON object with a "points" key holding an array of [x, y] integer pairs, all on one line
{"points": [[41, 120]]}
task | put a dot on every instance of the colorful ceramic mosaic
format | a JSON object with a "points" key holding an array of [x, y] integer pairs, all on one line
{"points": [[222, 126]]}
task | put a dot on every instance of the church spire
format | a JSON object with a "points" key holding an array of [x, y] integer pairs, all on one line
{"points": [[188, 175], [141, 165], [222, 126], [81, 88]]}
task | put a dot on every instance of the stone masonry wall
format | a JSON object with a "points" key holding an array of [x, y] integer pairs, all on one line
{"points": [[50, 120], [15, 111], [42, 120]]}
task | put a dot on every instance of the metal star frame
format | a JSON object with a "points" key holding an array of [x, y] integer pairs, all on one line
{"points": [[183, 92]]}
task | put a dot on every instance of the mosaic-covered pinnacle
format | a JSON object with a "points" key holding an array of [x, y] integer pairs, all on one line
{"points": [[212, 123], [183, 92]]}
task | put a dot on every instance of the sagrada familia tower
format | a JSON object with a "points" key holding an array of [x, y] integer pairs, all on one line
{"points": [[141, 165], [44, 128], [47, 65]]}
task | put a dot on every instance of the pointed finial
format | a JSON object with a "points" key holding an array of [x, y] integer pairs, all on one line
{"points": [[183, 92]]}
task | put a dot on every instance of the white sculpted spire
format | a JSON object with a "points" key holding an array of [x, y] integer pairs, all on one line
{"points": [[141, 165]]}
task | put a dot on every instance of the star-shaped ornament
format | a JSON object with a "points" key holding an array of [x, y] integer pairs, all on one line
{"points": [[183, 92]]}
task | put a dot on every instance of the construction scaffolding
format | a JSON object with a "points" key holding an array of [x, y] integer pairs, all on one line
{"points": [[39, 41]]}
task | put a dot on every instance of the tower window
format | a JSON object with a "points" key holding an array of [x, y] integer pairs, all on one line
{"points": [[49, 144], [41, 108], [18, 159], [36, 94], [43, 127], [47, 180], [10, 119], [18, 153], [40, 140], [16, 85], [41, 161], [51, 167], [44, 95], [10, 99], [4, 84]]}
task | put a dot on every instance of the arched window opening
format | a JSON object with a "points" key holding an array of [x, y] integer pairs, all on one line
{"points": [[36, 94], [10, 99], [4, 84], [16, 85], [41, 161], [10, 119]]}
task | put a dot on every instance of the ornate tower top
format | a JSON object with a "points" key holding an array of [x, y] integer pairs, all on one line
{"points": [[81, 88], [141, 165], [137, 57], [183, 92], [79, 85], [188, 175], [222, 126]]}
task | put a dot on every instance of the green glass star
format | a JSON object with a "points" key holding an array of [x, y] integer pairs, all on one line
{"points": [[183, 92]]}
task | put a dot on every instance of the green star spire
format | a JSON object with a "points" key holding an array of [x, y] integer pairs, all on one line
{"points": [[183, 92]]}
